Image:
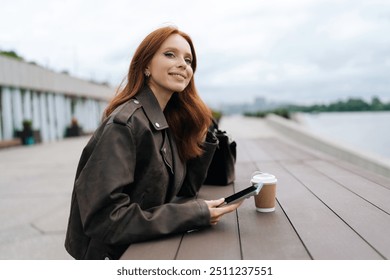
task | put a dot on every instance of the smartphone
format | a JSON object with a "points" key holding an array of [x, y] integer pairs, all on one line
{"points": [[245, 193]]}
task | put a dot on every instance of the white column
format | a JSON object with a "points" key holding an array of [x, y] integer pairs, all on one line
{"points": [[1, 115], [85, 109], [68, 110], [59, 103], [36, 120], [102, 107], [44, 118], [17, 109], [51, 116], [27, 108], [97, 115], [1, 120], [89, 116], [6, 112], [93, 115]]}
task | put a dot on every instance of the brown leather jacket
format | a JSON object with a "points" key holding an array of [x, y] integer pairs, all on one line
{"points": [[127, 180]]}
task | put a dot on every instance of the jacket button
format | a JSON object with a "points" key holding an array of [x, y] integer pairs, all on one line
{"points": [[157, 124], [107, 258]]}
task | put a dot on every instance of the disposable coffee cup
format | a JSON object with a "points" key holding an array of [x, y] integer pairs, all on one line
{"points": [[265, 201]]}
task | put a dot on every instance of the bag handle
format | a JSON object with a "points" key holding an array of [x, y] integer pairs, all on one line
{"points": [[215, 123]]}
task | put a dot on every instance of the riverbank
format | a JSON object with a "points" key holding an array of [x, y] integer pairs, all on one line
{"points": [[304, 136], [366, 131]]}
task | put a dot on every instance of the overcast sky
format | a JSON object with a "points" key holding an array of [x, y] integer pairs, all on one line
{"points": [[301, 51]]}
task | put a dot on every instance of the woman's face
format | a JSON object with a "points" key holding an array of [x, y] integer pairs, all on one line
{"points": [[170, 68]]}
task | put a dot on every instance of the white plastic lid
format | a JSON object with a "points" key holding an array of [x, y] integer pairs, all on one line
{"points": [[265, 178]]}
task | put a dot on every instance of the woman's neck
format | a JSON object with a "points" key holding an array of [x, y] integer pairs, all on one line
{"points": [[162, 97]]}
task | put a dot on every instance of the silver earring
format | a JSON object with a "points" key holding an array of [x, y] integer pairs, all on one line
{"points": [[147, 74]]}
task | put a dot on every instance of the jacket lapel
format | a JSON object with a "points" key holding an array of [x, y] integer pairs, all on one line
{"points": [[152, 109], [178, 166], [157, 119]]}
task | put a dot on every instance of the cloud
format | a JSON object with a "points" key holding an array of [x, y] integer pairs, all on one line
{"points": [[303, 50]]}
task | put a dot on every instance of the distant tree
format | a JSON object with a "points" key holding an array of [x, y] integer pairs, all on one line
{"points": [[11, 54], [350, 105], [376, 104], [355, 104]]}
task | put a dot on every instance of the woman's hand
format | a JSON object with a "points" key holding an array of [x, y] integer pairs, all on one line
{"points": [[217, 213]]}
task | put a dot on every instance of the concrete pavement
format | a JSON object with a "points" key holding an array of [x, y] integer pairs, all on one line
{"points": [[35, 190]]}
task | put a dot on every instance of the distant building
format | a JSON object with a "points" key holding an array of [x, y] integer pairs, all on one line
{"points": [[260, 104], [48, 99]]}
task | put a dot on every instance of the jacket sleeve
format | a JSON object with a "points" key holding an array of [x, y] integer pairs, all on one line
{"points": [[108, 213], [197, 168]]}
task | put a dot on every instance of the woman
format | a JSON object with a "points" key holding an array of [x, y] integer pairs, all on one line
{"points": [[152, 148]]}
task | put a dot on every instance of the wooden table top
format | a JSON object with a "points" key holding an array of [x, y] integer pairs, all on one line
{"points": [[326, 209]]}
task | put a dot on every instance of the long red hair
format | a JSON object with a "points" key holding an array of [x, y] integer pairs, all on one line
{"points": [[187, 115]]}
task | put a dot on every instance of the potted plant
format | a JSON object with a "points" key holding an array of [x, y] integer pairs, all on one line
{"points": [[27, 134]]}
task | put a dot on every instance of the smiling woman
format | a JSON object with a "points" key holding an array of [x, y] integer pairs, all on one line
{"points": [[173, 49], [170, 69], [152, 148]]}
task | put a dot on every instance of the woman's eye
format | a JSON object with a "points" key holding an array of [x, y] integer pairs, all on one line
{"points": [[169, 54], [188, 61]]}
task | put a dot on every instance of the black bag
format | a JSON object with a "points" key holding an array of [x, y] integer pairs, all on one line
{"points": [[221, 170]]}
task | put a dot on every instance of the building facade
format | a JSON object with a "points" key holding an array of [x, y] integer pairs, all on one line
{"points": [[48, 100]]}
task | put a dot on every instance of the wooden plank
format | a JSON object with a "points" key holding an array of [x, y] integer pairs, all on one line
{"points": [[374, 193], [308, 151], [220, 242], [243, 154], [268, 235], [217, 242], [253, 151], [159, 249], [194, 245], [265, 235], [288, 150], [209, 192], [322, 232], [358, 222], [244, 171], [273, 148], [377, 178]]}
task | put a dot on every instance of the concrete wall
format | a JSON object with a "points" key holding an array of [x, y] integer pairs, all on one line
{"points": [[50, 100], [319, 143], [19, 74]]}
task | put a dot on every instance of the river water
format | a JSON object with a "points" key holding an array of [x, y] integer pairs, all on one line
{"points": [[365, 131]]}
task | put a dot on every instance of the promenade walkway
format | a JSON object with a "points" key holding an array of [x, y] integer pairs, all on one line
{"points": [[35, 189], [36, 184]]}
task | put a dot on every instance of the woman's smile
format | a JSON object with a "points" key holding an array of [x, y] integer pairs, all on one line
{"points": [[178, 76]]}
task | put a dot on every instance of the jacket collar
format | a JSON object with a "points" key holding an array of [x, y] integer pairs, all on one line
{"points": [[152, 108]]}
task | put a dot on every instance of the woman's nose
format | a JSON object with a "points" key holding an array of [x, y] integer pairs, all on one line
{"points": [[182, 63]]}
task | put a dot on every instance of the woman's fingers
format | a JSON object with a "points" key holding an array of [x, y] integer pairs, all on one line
{"points": [[217, 212], [231, 207], [214, 203]]}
